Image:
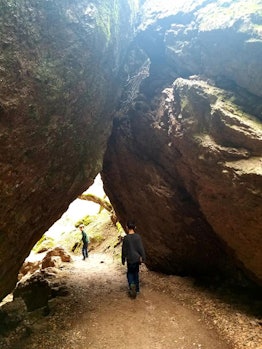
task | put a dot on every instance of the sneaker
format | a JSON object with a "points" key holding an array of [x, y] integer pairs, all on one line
{"points": [[132, 291]]}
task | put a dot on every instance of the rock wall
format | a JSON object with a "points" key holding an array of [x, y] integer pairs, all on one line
{"points": [[185, 159], [59, 80]]}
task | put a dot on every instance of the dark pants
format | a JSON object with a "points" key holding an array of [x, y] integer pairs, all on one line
{"points": [[133, 274], [84, 250]]}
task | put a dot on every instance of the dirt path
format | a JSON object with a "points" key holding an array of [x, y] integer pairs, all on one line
{"points": [[98, 314]]}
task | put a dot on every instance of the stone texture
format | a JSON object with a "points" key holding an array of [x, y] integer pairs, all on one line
{"points": [[219, 39], [59, 252], [51, 262], [35, 291], [190, 173], [59, 67], [29, 268], [11, 315], [39, 287], [185, 160]]}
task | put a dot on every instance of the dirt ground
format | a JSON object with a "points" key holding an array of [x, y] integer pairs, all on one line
{"points": [[169, 313]]}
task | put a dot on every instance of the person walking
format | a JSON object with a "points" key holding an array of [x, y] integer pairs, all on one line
{"points": [[134, 254], [85, 242]]}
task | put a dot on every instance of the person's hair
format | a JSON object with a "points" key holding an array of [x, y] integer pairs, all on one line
{"points": [[130, 225]]}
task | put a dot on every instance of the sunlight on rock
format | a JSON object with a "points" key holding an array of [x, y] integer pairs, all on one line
{"points": [[163, 98]]}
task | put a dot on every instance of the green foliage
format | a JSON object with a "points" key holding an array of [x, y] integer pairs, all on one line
{"points": [[104, 22], [44, 243], [97, 238], [119, 227], [107, 18], [85, 220], [69, 239]]}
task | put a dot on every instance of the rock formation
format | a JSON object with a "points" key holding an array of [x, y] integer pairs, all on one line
{"points": [[184, 159], [59, 72], [39, 281]]}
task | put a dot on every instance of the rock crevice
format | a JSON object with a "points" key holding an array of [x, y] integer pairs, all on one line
{"points": [[182, 82]]}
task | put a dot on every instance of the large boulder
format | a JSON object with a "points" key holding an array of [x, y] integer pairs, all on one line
{"points": [[182, 151], [35, 291], [190, 173], [59, 81], [185, 160]]}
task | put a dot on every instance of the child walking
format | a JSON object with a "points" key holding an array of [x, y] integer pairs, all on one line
{"points": [[133, 252]]}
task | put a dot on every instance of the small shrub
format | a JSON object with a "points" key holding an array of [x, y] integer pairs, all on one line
{"points": [[85, 220], [98, 238], [44, 244]]}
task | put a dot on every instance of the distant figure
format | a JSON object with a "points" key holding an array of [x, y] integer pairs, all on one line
{"points": [[85, 241], [133, 252]]}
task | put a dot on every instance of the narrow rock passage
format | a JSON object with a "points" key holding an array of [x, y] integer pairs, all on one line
{"points": [[98, 313]]}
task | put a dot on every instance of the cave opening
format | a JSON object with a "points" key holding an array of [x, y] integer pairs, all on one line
{"points": [[93, 210]]}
